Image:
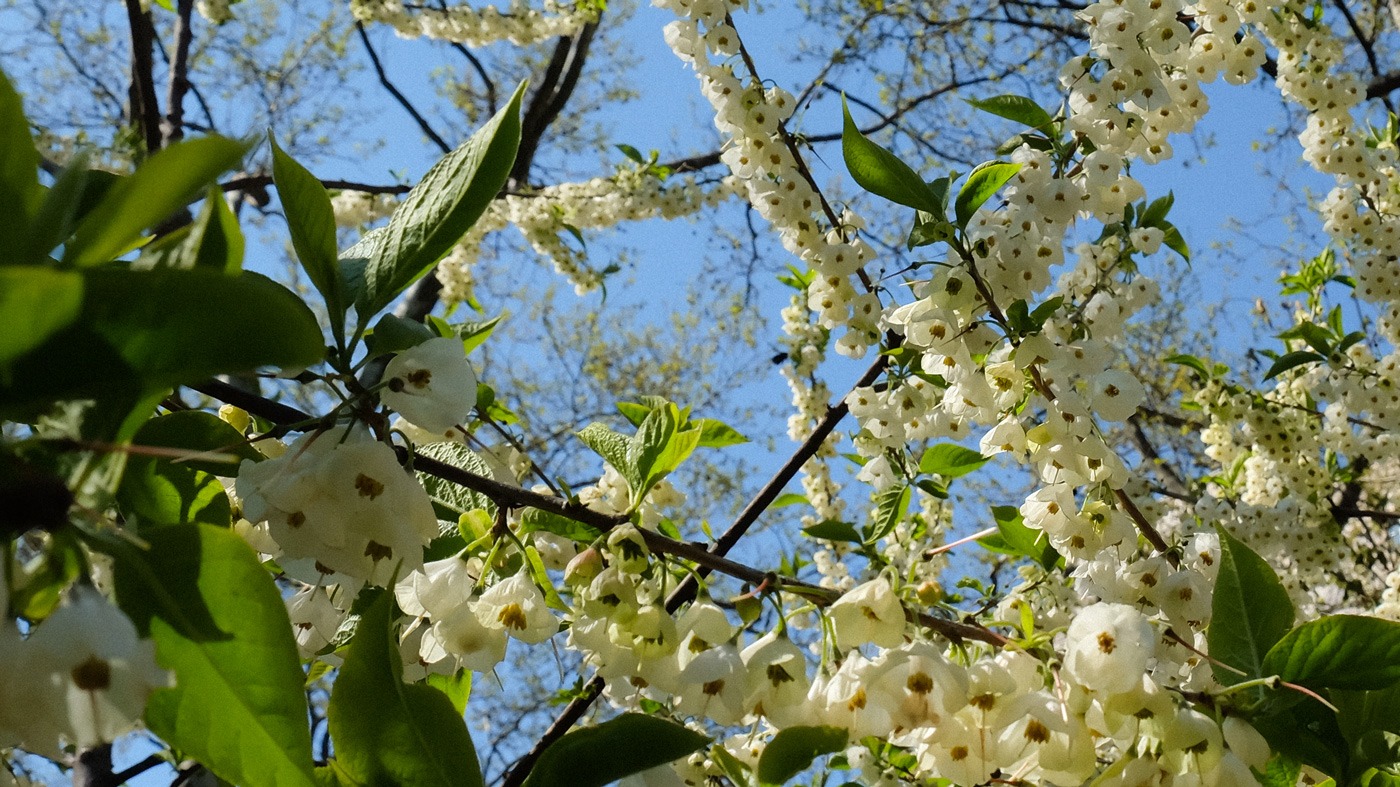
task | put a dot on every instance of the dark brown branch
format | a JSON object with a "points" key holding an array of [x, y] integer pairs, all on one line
{"points": [[491, 98], [143, 109], [263, 181], [174, 127], [1171, 480], [398, 96], [556, 87]]}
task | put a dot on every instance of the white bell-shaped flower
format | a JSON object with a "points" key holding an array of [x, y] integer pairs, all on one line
{"points": [[1108, 647], [870, 612], [431, 385], [516, 605], [89, 651]]}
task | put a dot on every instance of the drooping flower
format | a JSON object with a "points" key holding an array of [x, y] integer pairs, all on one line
{"points": [[868, 613], [431, 385], [88, 652], [516, 605], [1108, 647]]}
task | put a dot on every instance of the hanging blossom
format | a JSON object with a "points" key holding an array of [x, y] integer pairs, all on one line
{"points": [[519, 24]]}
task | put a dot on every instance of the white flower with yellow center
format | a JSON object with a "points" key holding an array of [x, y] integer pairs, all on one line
{"points": [[517, 606]]}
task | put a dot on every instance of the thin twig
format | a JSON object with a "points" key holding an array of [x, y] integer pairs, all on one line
{"points": [[394, 91]]}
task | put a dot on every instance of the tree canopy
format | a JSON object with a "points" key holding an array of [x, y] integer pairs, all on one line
{"points": [[451, 393]]}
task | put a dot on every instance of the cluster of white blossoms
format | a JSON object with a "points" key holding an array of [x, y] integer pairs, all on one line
{"points": [[758, 153], [548, 218], [518, 23], [80, 677]]}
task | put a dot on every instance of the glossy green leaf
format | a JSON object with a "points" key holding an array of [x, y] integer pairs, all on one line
{"points": [[1338, 652], [19, 170], [143, 331], [442, 207], [951, 460], [1019, 539], [165, 183], [76, 189], [386, 731], [533, 519], [880, 172], [1250, 611], [213, 241], [1016, 108], [35, 303], [394, 334], [890, 507], [1172, 239], [628, 744], [457, 687], [212, 445], [834, 530], [981, 184], [311, 221], [717, 434], [1292, 360], [1156, 213], [238, 705], [793, 749]]}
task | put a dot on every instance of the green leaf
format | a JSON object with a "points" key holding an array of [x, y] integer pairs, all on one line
{"points": [[394, 334], [834, 530], [717, 434], [35, 303], [457, 687], [880, 172], [311, 221], [165, 183], [238, 705], [19, 169], [142, 331], [441, 208], [455, 497], [981, 184], [75, 190], [633, 412], [213, 240], [534, 519], [951, 460], [386, 731], [1023, 540], [1337, 652], [792, 750], [788, 499], [199, 432], [613, 447], [890, 506], [1172, 239], [1156, 213], [1292, 360], [1190, 361], [1249, 612], [1280, 771], [628, 744], [1015, 108]]}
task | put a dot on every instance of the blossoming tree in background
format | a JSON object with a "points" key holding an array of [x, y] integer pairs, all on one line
{"points": [[191, 569]]}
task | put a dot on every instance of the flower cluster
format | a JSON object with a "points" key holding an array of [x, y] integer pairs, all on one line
{"points": [[519, 23]]}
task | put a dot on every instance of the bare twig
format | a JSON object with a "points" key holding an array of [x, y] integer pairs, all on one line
{"points": [[394, 91]]}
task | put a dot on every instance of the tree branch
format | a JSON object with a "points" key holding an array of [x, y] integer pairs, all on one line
{"points": [[560, 78], [398, 96], [174, 127], [143, 108]]}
